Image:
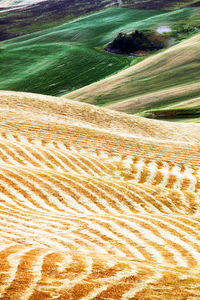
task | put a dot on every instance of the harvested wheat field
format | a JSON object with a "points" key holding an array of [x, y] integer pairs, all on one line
{"points": [[96, 204]]}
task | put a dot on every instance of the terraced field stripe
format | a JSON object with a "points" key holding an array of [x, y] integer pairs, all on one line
{"points": [[30, 191]]}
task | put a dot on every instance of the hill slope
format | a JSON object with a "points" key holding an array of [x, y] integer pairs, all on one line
{"points": [[31, 16], [70, 56], [168, 77], [22, 17], [96, 204]]}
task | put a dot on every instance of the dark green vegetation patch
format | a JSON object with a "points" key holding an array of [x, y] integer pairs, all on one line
{"points": [[135, 42]]}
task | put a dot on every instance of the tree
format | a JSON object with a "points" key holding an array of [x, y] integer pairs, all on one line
{"points": [[133, 42]]}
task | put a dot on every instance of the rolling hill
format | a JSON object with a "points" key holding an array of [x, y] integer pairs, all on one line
{"points": [[161, 80], [27, 16], [67, 49], [70, 56], [96, 204], [32, 16]]}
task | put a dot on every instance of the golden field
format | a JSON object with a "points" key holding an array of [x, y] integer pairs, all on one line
{"points": [[96, 204]]}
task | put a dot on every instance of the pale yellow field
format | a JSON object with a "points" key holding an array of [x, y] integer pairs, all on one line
{"points": [[96, 204]]}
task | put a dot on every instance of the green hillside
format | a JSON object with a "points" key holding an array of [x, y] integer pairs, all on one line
{"points": [[39, 15], [70, 56], [164, 79], [16, 21]]}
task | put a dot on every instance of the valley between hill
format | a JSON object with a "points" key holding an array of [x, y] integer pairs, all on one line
{"points": [[96, 204]]}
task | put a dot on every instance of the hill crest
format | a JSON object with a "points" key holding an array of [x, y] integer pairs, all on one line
{"points": [[96, 203]]}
